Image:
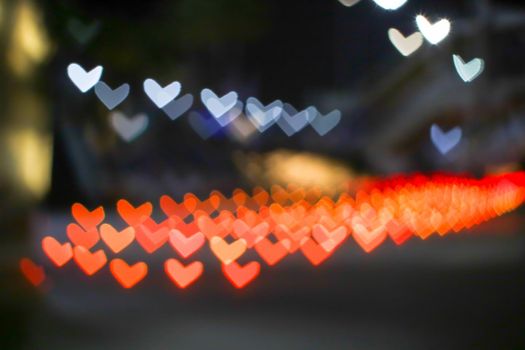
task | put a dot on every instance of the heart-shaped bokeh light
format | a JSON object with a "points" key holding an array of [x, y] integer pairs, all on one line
{"points": [[276, 224]]}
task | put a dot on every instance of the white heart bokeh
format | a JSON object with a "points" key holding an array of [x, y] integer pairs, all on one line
{"points": [[390, 4], [83, 80], [433, 32], [406, 45]]}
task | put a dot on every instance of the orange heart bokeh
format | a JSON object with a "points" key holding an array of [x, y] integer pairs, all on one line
{"points": [[279, 223]]}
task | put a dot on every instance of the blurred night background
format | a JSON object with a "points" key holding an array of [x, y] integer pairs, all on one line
{"points": [[58, 147]]}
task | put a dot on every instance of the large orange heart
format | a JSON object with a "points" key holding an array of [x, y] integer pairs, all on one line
{"points": [[453, 218], [436, 222], [280, 216], [421, 223], [250, 217], [399, 233], [342, 212], [117, 241], [239, 197], [368, 239], [297, 195], [79, 237], [227, 253], [240, 276], [272, 253], [327, 202], [182, 275], [251, 235], [127, 275], [205, 206], [314, 252], [87, 219], [172, 208], [279, 194], [187, 229], [215, 199], [225, 221], [171, 222], [298, 234], [186, 246], [328, 222], [151, 240], [89, 262], [58, 253], [368, 213], [282, 232], [376, 199], [329, 240], [260, 196], [190, 202], [313, 194], [35, 274], [134, 216], [210, 228]]}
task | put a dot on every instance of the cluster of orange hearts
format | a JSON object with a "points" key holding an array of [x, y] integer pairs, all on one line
{"points": [[277, 223]]}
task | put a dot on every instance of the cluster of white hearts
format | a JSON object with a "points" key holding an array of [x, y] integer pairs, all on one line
{"points": [[434, 33], [224, 109]]}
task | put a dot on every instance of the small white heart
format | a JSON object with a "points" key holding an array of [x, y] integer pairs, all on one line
{"points": [[405, 45], [445, 141], [82, 79], [292, 121], [218, 106], [434, 33], [324, 124], [468, 71], [263, 117], [349, 3], [390, 4], [161, 96], [129, 128], [111, 98]]}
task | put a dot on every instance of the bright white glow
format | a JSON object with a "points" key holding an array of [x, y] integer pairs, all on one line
{"points": [[83, 80], [434, 33], [390, 4], [406, 45]]}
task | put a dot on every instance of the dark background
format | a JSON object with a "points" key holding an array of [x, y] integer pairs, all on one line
{"points": [[457, 292]]}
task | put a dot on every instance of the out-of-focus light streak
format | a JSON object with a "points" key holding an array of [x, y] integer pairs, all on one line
{"points": [[302, 169], [283, 222], [28, 45], [2, 11], [31, 160]]}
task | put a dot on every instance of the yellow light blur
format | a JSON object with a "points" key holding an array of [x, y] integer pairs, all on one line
{"points": [[31, 160], [28, 44], [1, 13], [287, 167]]}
